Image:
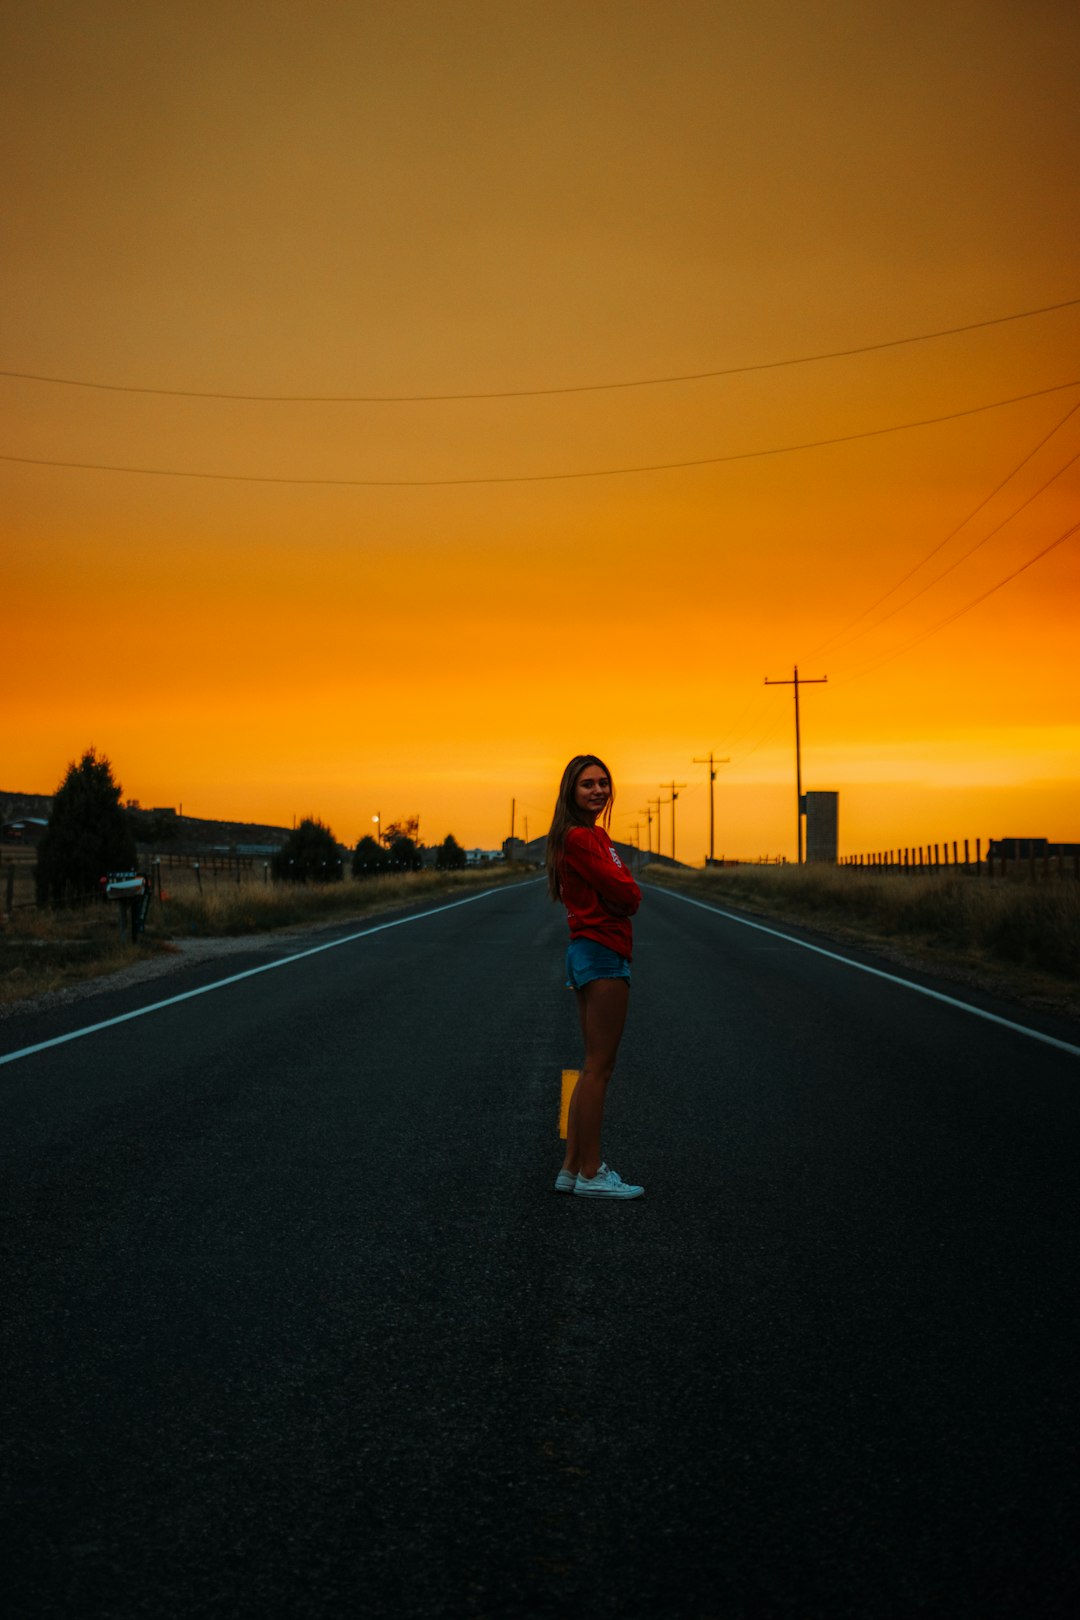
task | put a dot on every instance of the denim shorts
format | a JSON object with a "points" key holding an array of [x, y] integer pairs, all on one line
{"points": [[587, 959]]}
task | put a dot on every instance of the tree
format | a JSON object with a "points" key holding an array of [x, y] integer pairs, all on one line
{"points": [[88, 836], [451, 856], [369, 858], [308, 855], [407, 827]]}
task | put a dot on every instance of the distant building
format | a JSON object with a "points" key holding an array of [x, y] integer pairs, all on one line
{"points": [[822, 827], [1022, 849], [26, 830]]}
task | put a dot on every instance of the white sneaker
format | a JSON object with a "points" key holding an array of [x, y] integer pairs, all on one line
{"points": [[605, 1184], [564, 1181]]}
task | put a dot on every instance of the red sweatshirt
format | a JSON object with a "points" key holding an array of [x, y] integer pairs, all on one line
{"points": [[598, 892]]}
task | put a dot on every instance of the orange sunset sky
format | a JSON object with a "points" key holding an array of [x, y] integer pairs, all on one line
{"points": [[373, 600]]}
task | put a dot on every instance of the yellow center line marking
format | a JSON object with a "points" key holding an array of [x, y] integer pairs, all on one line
{"points": [[569, 1081]]}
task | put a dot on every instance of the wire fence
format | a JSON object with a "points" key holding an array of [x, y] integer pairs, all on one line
{"points": [[18, 888]]}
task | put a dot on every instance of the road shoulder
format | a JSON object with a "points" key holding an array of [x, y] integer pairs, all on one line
{"points": [[1007, 993]]}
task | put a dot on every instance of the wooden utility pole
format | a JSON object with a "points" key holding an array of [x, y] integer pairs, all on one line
{"points": [[712, 764], [647, 813], [817, 680], [658, 802], [674, 786]]}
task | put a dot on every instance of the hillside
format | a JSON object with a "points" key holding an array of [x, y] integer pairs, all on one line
{"points": [[192, 832]]}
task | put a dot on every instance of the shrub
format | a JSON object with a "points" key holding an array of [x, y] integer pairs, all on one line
{"points": [[308, 855], [369, 858], [404, 855]]}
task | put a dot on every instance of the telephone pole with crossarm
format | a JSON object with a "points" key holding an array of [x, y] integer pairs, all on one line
{"points": [[799, 680], [712, 764], [674, 786]]}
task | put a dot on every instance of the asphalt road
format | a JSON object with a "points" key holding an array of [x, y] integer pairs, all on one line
{"points": [[293, 1323]]}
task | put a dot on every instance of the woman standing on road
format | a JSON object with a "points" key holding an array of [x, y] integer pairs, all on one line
{"points": [[586, 874]]}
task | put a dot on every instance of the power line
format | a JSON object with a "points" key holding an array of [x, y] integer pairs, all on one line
{"points": [[970, 552], [765, 737], [542, 478], [746, 724], [950, 618], [536, 393], [959, 613], [925, 635], [842, 635]]}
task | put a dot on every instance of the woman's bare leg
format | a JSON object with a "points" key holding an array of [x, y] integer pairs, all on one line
{"points": [[602, 1007]]}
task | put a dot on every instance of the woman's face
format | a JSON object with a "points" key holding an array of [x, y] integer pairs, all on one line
{"points": [[592, 790]]}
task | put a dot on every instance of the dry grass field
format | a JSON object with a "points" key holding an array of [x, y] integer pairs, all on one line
{"points": [[1011, 935], [223, 906], [16, 873], [48, 950]]}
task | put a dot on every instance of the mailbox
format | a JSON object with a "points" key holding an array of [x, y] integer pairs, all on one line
{"points": [[131, 891]]}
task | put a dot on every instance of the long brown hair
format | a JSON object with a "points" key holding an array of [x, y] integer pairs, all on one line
{"points": [[568, 814]]}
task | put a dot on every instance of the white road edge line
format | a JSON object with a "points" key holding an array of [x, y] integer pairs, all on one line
{"points": [[878, 973], [249, 973]]}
